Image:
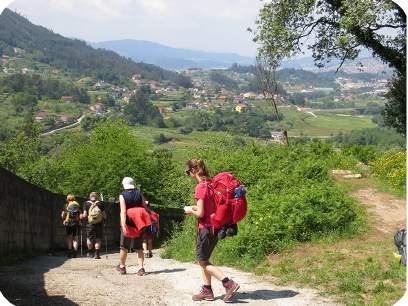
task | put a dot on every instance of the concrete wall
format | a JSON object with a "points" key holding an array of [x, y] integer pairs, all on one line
{"points": [[30, 217]]}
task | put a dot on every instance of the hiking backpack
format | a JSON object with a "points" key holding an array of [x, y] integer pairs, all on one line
{"points": [[400, 240], [72, 214], [155, 227], [95, 214], [230, 203]]}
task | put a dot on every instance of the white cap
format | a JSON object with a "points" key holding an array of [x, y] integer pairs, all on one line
{"points": [[128, 183]]}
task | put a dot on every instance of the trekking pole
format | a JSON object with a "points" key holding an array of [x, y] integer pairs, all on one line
{"points": [[106, 247], [80, 224]]}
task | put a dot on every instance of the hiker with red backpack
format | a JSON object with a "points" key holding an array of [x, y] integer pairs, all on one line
{"points": [[150, 232], [205, 211], [133, 220], [71, 220], [95, 215]]}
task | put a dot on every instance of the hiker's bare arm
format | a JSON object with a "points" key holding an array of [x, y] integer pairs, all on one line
{"points": [[144, 201], [122, 211], [198, 210]]}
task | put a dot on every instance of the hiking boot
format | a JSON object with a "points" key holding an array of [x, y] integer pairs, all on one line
{"points": [[205, 294], [141, 272], [121, 270], [230, 288], [97, 256]]}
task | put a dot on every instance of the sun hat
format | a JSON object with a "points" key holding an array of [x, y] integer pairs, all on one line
{"points": [[128, 183]]}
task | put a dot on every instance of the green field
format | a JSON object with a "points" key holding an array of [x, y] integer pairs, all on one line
{"points": [[325, 124]]}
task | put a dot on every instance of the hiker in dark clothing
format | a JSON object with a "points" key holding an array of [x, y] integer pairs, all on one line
{"points": [[70, 216], [130, 198], [95, 215]]}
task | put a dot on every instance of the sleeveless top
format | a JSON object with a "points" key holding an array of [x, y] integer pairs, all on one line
{"points": [[133, 198]]}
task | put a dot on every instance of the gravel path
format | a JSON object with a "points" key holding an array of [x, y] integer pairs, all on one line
{"points": [[55, 280]]}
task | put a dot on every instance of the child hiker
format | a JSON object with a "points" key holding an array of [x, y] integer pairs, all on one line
{"points": [[206, 239], [71, 220]]}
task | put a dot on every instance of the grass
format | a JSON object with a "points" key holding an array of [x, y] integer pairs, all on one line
{"points": [[360, 271], [182, 145], [386, 187]]}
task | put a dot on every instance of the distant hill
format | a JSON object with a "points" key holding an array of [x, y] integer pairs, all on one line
{"points": [[364, 63], [70, 55], [172, 58]]}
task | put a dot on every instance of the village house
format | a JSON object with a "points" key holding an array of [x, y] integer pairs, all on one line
{"points": [[26, 70], [154, 84], [162, 110], [98, 108], [65, 119], [240, 108], [249, 95], [39, 116], [67, 98], [278, 137]]}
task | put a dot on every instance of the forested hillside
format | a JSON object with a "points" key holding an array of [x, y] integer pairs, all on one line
{"points": [[71, 55]]}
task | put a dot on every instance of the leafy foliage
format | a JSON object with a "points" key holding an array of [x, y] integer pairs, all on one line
{"points": [[291, 198], [382, 139], [390, 167], [21, 152], [99, 163], [341, 29], [35, 85], [140, 110]]}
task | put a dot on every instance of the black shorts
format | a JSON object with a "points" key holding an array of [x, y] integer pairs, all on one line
{"points": [[131, 243], [72, 230], [94, 232], [205, 243]]}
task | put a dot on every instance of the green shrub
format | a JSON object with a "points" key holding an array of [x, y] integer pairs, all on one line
{"points": [[390, 168], [291, 199]]}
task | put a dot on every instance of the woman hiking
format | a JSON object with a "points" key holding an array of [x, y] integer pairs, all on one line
{"points": [[130, 198], [206, 239], [71, 220], [95, 215]]}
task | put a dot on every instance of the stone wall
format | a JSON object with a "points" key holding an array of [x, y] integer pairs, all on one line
{"points": [[30, 217]]}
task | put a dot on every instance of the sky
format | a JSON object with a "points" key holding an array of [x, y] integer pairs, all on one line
{"points": [[209, 25]]}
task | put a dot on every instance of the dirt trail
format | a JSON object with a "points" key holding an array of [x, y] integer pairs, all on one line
{"points": [[52, 280], [387, 211]]}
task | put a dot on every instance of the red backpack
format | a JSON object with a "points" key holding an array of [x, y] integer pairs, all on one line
{"points": [[230, 201]]}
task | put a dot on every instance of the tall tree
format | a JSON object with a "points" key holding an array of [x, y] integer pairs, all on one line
{"points": [[339, 29]]}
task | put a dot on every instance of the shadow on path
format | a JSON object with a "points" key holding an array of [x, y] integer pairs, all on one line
{"points": [[263, 295], [23, 283], [166, 271]]}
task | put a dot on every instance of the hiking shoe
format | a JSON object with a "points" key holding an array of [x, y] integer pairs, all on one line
{"points": [[121, 270], [205, 294], [230, 288], [141, 272], [97, 256]]}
